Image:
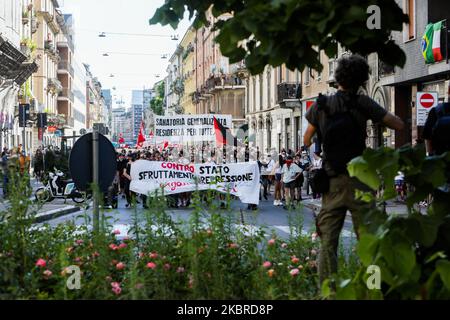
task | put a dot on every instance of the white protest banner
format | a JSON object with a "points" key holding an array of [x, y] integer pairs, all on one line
{"points": [[188, 128], [240, 179]]}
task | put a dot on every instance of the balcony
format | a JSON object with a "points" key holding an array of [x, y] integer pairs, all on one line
{"points": [[66, 94], [54, 86], [50, 49], [65, 67], [222, 83], [288, 96], [66, 44], [51, 18]]}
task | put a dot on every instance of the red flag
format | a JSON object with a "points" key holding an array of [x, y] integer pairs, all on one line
{"points": [[166, 144], [221, 133], [121, 139], [141, 136], [224, 135]]}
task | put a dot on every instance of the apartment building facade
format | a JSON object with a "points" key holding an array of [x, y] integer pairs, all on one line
{"points": [[95, 103], [17, 63], [188, 60], [278, 100], [417, 75], [219, 90]]}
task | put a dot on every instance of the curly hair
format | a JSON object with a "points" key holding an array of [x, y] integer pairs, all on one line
{"points": [[352, 72]]}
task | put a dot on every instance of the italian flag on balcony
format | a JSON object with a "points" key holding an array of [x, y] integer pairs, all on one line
{"points": [[431, 43]]}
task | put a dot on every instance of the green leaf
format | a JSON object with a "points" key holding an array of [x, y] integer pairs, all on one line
{"points": [[325, 289], [360, 169], [443, 267], [367, 248], [439, 254]]}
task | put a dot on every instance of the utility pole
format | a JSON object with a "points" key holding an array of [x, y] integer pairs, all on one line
{"points": [[95, 178]]}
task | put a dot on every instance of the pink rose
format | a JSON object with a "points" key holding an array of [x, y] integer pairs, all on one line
{"points": [[151, 265], [267, 264], [120, 266], [41, 263], [167, 266], [294, 272], [284, 245], [122, 245], [313, 252], [234, 245], [96, 254], [141, 255], [47, 273], [116, 288], [113, 247], [79, 242], [180, 270], [295, 260], [153, 255], [271, 242], [116, 232]]}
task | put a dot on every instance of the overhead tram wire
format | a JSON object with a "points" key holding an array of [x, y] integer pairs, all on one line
{"points": [[103, 34]]}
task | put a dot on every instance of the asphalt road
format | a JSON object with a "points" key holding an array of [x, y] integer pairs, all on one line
{"points": [[272, 219]]}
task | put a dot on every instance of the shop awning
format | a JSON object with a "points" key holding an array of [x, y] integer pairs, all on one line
{"points": [[13, 63]]}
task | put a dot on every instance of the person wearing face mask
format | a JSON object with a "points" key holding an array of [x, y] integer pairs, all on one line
{"points": [[290, 173]]}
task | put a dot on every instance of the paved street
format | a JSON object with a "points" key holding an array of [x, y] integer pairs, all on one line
{"points": [[269, 217]]}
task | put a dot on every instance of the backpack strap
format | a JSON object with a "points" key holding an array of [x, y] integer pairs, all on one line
{"points": [[442, 109]]}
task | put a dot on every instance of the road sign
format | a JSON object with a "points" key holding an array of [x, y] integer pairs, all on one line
{"points": [[83, 131], [81, 163], [425, 102]]}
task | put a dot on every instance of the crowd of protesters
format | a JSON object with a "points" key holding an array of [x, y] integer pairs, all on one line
{"points": [[13, 160], [287, 171]]}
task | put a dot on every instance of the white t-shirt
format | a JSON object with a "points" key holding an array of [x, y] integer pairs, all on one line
{"points": [[290, 173], [270, 166]]}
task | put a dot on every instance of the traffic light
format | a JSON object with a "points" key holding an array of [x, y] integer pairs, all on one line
{"points": [[41, 120], [24, 114], [101, 128]]}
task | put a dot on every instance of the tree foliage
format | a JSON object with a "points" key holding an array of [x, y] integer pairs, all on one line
{"points": [[411, 250], [292, 31], [157, 103]]}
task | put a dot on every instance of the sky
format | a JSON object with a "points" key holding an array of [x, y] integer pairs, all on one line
{"points": [[126, 61]]}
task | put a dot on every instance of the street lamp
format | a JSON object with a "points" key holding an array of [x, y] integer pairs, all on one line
{"points": [[102, 35]]}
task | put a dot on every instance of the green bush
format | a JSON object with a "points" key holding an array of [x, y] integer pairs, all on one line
{"points": [[206, 257]]}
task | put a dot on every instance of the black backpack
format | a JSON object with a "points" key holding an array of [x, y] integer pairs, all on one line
{"points": [[343, 137], [440, 136]]}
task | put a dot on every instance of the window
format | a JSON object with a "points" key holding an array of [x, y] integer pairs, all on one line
{"points": [[269, 91], [261, 79], [254, 95], [307, 75], [319, 73], [409, 31]]}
